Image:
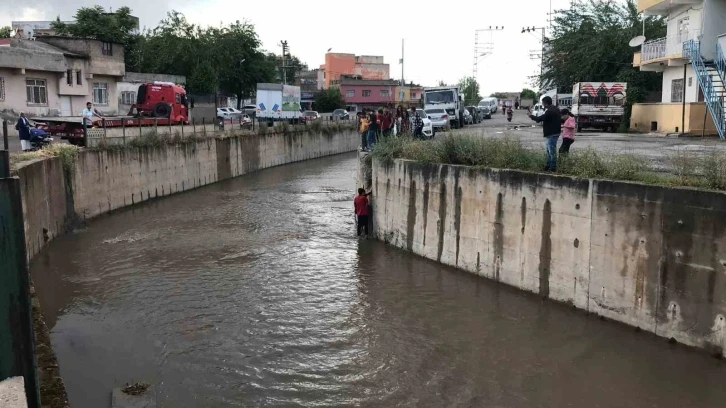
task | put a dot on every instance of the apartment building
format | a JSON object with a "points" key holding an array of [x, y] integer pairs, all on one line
{"points": [[337, 65]]}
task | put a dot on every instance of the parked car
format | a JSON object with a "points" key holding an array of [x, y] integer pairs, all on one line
{"points": [[475, 113], [309, 116], [468, 118], [439, 118], [246, 119], [250, 110], [484, 112], [538, 110], [428, 128], [341, 114], [226, 113]]}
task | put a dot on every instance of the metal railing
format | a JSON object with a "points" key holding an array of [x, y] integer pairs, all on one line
{"points": [[671, 46], [714, 100]]}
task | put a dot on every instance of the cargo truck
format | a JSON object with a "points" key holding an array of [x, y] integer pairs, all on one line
{"points": [[278, 102], [598, 105], [448, 98]]}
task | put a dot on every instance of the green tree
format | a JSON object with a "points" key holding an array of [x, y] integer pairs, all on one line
{"points": [[528, 94], [499, 95], [590, 43], [470, 88], [94, 22], [328, 100], [5, 32]]}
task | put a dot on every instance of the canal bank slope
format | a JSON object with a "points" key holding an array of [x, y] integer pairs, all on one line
{"points": [[647, 256], [60, 193]]}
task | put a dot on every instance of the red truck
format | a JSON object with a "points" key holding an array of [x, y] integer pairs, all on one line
{"points": [[157, 103]]}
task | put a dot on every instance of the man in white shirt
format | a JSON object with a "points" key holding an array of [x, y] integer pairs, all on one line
{"points": [[88, 114]]}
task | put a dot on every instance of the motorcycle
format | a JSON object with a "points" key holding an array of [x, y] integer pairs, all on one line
{"points": [[39, 139], [509, 114]]}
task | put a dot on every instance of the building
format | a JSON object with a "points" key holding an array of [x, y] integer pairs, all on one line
{"points": [[691, 25], [362, 66], [128, 86], [365, 93], [412, 95], [30, 29], [57, 75], [307, 80]]}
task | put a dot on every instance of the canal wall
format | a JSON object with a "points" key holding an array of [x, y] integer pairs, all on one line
{"points": [[647, 256], [61, 193]]}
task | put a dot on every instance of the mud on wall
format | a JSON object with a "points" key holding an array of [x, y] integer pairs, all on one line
{"points": [[648, 256]]}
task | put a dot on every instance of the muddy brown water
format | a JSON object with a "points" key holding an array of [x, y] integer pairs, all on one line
{"points": [[254, 292]]}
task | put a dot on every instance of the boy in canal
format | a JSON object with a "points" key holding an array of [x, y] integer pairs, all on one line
{"points": [[360, 205]]}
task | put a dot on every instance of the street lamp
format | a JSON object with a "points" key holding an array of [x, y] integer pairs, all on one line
{"points": [[541, 63]]}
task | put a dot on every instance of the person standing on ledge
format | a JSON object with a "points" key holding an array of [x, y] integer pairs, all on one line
{"points": [[551, 127], [360, 205]]}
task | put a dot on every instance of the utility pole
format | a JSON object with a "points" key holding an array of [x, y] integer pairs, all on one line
{"points": [[485, 49], [541, 63], [403, 83], [285, 50]]}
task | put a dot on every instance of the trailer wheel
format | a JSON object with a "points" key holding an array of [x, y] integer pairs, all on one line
{"points": [[161, 110]]}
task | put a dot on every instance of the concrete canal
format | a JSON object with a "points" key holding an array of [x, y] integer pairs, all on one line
{"points": [[255, 292]]}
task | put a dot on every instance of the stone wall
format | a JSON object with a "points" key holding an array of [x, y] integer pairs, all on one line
{"points": [[647, 256]]}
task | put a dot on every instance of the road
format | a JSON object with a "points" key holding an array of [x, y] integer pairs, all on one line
{"points": [[656, 149]]}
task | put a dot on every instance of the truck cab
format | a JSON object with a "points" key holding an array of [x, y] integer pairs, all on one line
{"points": [[161, 100], [447, 98]]}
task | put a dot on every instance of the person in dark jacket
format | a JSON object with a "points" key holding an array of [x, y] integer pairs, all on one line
{"points": [[551, 127], [23, 128]]}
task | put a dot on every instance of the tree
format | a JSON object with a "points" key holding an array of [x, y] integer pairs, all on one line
{"points": [[590, 43], [528, 94], [499, 95], [328, 100], [470, 88], [94, 22], [5, 32]]}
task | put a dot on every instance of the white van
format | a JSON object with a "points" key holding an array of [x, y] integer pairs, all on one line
{"points": [[490, 102]]}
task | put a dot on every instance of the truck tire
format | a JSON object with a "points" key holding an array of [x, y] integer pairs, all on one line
{"points": [[161, 110]]}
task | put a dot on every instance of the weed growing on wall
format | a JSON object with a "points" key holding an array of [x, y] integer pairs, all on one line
{"points": [[687, 168]]}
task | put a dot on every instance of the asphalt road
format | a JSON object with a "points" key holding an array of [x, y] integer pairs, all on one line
{"points": [[655, 148]]}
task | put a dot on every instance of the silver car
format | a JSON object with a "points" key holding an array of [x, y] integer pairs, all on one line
{"points": [[439, 118]]}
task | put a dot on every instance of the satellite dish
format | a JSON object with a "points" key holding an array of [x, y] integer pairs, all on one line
{"points": [[637, 41]]}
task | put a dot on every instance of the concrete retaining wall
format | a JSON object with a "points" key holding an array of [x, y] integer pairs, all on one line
{"points": [[650, 257]]}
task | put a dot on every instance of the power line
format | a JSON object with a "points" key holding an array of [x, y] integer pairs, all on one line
{"points": [[483, 49]]}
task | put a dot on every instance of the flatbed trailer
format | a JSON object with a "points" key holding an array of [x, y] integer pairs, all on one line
{"points": [[71, 127]]}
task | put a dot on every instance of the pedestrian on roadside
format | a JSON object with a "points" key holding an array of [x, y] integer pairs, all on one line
{"points": [[568, 131], [416, 124], [516, 105], [551, 127], [387, 123], [363, 130], [23, 128], [360, 206], [373, 128], [381, 127]]}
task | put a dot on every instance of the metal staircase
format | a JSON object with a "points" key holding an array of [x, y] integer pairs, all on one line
{"points": [[710, 76]]}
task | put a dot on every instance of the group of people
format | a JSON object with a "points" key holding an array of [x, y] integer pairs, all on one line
{"points": [[372, 125], [555, 122]]}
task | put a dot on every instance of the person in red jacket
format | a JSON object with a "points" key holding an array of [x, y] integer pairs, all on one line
{"points": [[360, 205]]}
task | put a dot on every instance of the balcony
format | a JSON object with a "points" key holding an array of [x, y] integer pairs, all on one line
{"points": [[666, 48], [661, 7]]}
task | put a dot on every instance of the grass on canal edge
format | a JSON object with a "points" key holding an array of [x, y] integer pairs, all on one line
{"points": [[66, 152], [687, 168]]}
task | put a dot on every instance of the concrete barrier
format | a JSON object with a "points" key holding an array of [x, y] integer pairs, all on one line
{"points": [[647, 256], [57, 195]]}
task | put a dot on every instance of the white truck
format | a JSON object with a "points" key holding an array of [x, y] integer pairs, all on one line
{"points": [[598, 105], [448, 98], [278, 102]]}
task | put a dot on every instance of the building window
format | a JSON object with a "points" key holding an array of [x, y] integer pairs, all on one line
{"points": [[100, 93], [366, 93], [677, 90], [69, 77], [36, 91], [2, 89], [690, 81], [384, 93], [128, 98], [79, 78], [107, 49], [413, 95], [350, 93]]}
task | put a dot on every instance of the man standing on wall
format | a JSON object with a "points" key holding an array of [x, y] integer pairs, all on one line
{"points": [[551, 127], [360, 205]]}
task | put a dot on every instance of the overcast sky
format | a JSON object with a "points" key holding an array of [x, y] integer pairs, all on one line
{"points": [[439, 36]]}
